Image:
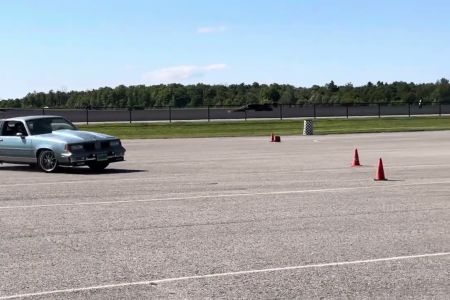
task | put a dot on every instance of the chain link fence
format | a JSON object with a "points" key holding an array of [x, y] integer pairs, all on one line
{"points": [[209, 113]]}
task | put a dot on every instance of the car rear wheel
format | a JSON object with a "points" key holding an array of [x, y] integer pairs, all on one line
{"points": [[98, 165], [47, 161]]}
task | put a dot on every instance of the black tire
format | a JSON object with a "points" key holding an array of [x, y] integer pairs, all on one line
{"points": [[98, 165], [47, 161]]}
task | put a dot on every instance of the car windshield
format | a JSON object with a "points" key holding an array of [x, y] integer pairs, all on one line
{"points": [[48, 125]]}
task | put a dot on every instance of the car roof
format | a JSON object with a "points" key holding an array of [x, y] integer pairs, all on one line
{"points": [[28, 118]]}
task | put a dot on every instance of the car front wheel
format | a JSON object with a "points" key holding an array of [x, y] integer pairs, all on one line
{"points": [[98, 165], [47, 161]]}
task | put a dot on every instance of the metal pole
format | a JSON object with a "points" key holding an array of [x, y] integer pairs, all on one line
{"points": [[440, 109], [209, 116], [129, 111], [409, 110], [170, 114], [281, 111], [379, 110], [43, 111], [314, 110], [87, 116], [347, 110], [245, 115]]}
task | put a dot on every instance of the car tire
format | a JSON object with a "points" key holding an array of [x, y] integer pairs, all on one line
{"points": [[98, 165], [47, 161]]}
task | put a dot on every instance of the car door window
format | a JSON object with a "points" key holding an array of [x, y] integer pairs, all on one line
{"points": [[11, 128], [8, 129], [20, 128]]}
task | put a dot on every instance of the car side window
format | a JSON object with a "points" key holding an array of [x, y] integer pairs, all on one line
{"points": [[20, 128], [11, 128], [8, 129]]}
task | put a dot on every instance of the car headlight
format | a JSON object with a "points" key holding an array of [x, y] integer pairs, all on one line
{"points": [[114, 143], [75, 147]]}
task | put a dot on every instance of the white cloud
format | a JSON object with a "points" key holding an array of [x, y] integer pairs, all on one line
{"points": [[180, 73], [212, 29]]}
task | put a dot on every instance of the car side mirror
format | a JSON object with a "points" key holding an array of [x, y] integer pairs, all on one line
{"points": [[20, 134]]}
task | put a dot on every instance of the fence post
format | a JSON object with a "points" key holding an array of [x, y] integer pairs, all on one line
{"points": [[209, 117], [245, 115], [409, 110], [347, 110], [314, 110], [281, 112], [43, 111], [87, 115], [129, 112], [440, 109], [379, 110], [170, 114]]}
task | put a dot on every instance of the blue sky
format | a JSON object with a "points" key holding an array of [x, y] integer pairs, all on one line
{"points": [[86, 44]]}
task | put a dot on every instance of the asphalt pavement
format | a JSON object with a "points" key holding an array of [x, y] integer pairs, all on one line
{"points": [[234, 218]]}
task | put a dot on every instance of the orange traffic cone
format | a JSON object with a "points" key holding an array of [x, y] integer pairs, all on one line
{"points": [[380, 171], [272, 137], [355, 162]]}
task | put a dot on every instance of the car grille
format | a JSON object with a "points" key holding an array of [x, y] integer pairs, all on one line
{"points": [[89, 146], [96, 146]]}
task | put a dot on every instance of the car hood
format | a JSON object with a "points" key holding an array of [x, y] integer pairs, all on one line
{"points": [[75, 136]]}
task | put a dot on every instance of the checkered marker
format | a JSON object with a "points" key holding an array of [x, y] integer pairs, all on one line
{"points": [[308, 127]]}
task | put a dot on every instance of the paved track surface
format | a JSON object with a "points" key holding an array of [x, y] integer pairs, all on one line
{"points": [[234, 218]]}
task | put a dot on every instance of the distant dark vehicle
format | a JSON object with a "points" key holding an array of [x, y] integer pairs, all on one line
{"points": [[255, 107]]}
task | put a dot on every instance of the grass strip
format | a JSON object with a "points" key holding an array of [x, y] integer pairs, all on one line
{"points": [[265, 128]]}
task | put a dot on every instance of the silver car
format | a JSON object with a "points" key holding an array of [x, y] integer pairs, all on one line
{"points": [[52, 141]]}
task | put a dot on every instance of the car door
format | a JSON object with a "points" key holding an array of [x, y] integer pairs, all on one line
{"points": [[14, 148]]}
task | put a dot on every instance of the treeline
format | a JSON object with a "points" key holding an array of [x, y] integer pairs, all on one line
{"points": [[177, 95]]}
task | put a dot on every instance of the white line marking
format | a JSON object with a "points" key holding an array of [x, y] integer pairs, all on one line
{"points": [[177, 176], [175, 198], [77, 181], [237, 273], [378, 186], [152, 179]]}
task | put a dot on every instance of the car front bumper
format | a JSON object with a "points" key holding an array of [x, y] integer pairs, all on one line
{"points": [[81, 158]]}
